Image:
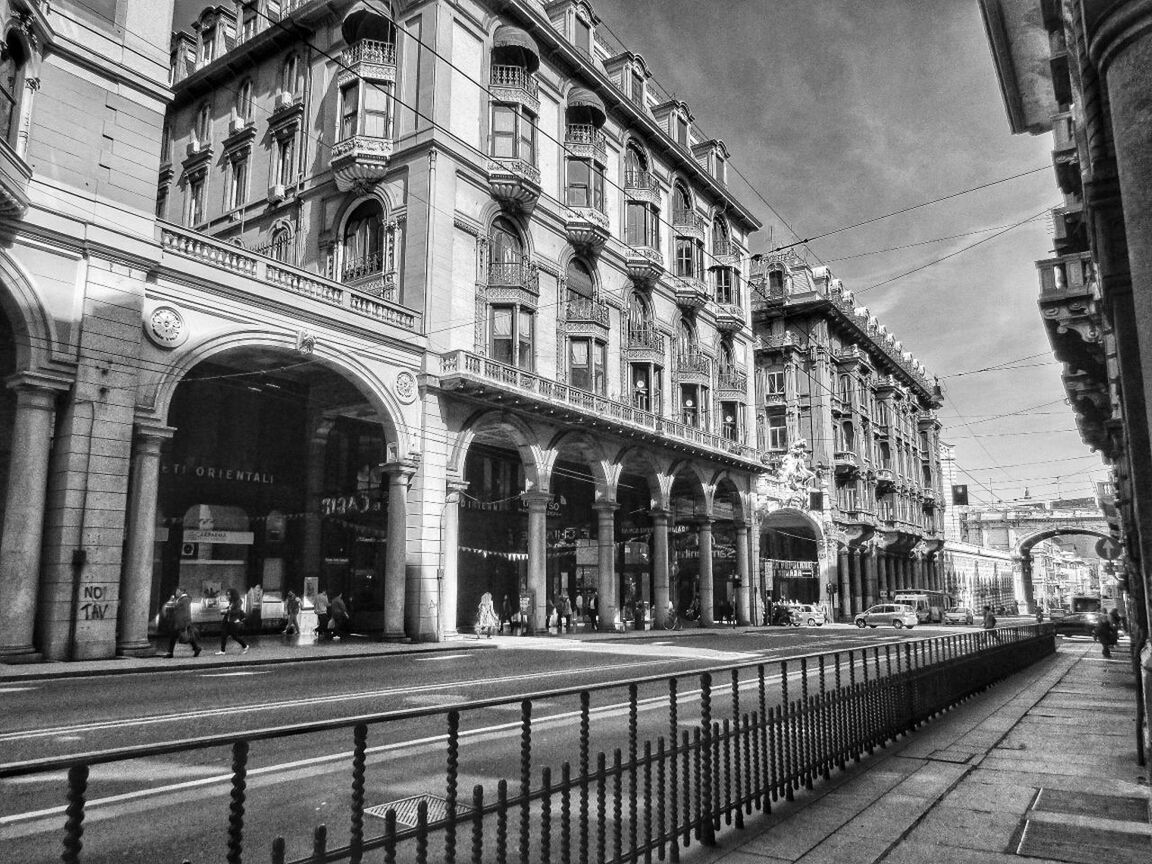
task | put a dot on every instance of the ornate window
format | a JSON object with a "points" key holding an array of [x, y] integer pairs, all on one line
{"points": [[725, 277], [238, 180], [511, 320], [203, 130], [12, 64], [513, 132], [585, 184], [281, 247], [289, 74], [197, 189], [368, 246], [243, 105], [286, 158]]}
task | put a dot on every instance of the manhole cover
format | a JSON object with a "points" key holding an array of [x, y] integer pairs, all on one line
{"points": [[406, 809]]}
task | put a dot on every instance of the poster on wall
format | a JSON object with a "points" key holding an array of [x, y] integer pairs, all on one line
{"points": [[311, 587], [210, 592]]}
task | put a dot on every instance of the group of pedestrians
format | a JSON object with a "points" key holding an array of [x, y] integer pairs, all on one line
{"points": [[332, 620]]}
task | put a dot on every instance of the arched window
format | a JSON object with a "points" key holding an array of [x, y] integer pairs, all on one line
{"points": [[639, 315], [635, 165], [580, 284], [686, 339], [363, 241], [506, 245], [244, 100], [681, 204], [727, 358], [281, 246], [12, 60], [511, 325], [719, 237]]}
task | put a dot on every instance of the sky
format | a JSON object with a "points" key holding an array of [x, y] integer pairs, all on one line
{"points": [[838, 111]]}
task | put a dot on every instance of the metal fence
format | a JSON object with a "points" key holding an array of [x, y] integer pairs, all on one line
{"points": [[756, 732]]}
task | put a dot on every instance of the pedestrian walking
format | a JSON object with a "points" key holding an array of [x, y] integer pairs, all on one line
{"points": [[1106, 635], [292, 607], [594, 610], [337, 616], [321, 605], [565, 613], [486, 620], [232, 622], [989, 619], [183, 630], [1117, 621]]}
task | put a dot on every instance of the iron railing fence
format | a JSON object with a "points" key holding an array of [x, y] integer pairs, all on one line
{"points": [[760, 731]]}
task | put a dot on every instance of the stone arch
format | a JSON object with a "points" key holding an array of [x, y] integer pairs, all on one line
{"points": [[519, 220], [537, 460], [659, 479], [1024, 547], [635, 142], [591, 454], [33, 328], [741, 498], [794, 514], [157, 389]]}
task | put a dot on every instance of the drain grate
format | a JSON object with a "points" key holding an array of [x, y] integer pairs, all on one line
{"points": [[406, 809]]}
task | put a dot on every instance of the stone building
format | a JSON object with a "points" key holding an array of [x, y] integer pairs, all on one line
{"points": [[837, 394], [413, 301], [1080, 70]]}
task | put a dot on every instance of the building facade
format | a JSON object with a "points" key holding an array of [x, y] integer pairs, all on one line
{"points": [[411, 301], [852, 510], [1080, 70]]}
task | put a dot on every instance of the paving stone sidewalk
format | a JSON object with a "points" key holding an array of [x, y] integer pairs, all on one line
{"points": [[1041, 767]]}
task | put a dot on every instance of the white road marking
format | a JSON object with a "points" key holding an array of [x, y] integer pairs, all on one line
{"points": [[15, 689], [228, 674], [442, 657]]}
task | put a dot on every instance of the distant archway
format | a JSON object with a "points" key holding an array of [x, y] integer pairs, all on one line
{"points": [[1024, 551]]}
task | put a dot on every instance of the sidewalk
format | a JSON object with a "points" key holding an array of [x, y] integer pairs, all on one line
{"points": [[1041, 765]]}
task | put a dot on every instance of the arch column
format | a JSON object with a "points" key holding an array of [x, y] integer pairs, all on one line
{"points": [[391, 592], [918, 571], [140, 538], [606, 585], [882, 574], [660, 574], [537, 559], [743, 596], [20, 542], [707, 613], [868, 560], [448, 578], [857, 580], [844, 579], [312, 552]]}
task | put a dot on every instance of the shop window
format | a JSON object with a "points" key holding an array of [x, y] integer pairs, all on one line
{"points": [[587, 361], [585, 184], [513, 133], [12, 62]]}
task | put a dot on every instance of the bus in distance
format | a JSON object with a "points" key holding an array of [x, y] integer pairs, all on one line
{"points": [[929, 605]]}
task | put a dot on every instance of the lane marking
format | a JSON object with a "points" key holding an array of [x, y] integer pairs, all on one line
{"points": [[15, 689], [229, 674], [442, 657]]}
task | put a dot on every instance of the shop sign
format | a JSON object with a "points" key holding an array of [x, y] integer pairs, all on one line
{"points": [[360, 503], [235, 538], [214, 472]]}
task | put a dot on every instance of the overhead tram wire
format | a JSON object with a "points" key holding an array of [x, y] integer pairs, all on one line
{"points": [[920, 243]]}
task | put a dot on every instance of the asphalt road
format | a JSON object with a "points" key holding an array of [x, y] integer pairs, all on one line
{"points": [[174, 807]]}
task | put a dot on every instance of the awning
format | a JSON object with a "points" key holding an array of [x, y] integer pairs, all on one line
{"points": [[508, 38], [365, 21], [581, 97]]}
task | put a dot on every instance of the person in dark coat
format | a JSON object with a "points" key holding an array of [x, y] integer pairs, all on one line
{"points": [[182, 627], [338, 615], [232, 622], [1106, 635]]}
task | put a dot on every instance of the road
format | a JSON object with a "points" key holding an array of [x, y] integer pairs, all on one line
{"points": [[173, 807]]}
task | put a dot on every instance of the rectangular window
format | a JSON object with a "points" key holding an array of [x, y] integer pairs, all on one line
{"points": [[502, 340], [685, 257], [641, 384], [774, 383], [634, 224], [286, 160], [777, 433], [721, 173], [528, 138], [598, 188], [504, 131], [208, 45], [583, 36], [248, 28], [196, 201], [638, 89], [579, 183], [238, 184], [349, 110], [526, 356], [724, 290], [681, 131], [166, 144], [162, 203], [377, 111], [730, 420], [691, 409]]}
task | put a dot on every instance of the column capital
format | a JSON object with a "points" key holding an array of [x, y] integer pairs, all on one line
{"points": [[660, 514], [454, 488], [45, 381], [536, 500], [603, 507], [152, 430], [399, 471]]}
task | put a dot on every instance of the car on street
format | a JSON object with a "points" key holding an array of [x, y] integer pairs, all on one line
{"points": [[808, 615], [958, 615], [1079, 623], [896, 615]]}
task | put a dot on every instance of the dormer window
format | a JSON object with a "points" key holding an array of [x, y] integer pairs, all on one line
{"points": [[583, 36], [248, 22], [636, 93], [208, 44], [681, 130], [720, 169]]}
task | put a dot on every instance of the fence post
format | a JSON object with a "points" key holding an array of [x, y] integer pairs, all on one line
{"points": [[74, 821], [236, 807], [673, 790], [453, 769], [708, 834], [585, 743], [525, 777]]}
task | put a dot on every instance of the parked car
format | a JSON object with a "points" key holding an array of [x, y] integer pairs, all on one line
{"points": [[897, 615], [958, 615], [1056, 613], [1079, 623], [812, 616]]}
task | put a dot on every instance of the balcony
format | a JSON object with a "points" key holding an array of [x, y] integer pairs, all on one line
{"points": [[515, 183], [585, 141], [688, 223], [729, 317], [885, 480], [240, 271], [775, 400], [644, 264], [367, 274], [368, 60], [732, 384], [584, 312], [586, 228], [847, 463], [516, 85], [929, 499], [642, 186], [726, 253], [359, 161], [491, 382], [691, 293], [644, 344], [693, 367], [521, 275]]}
